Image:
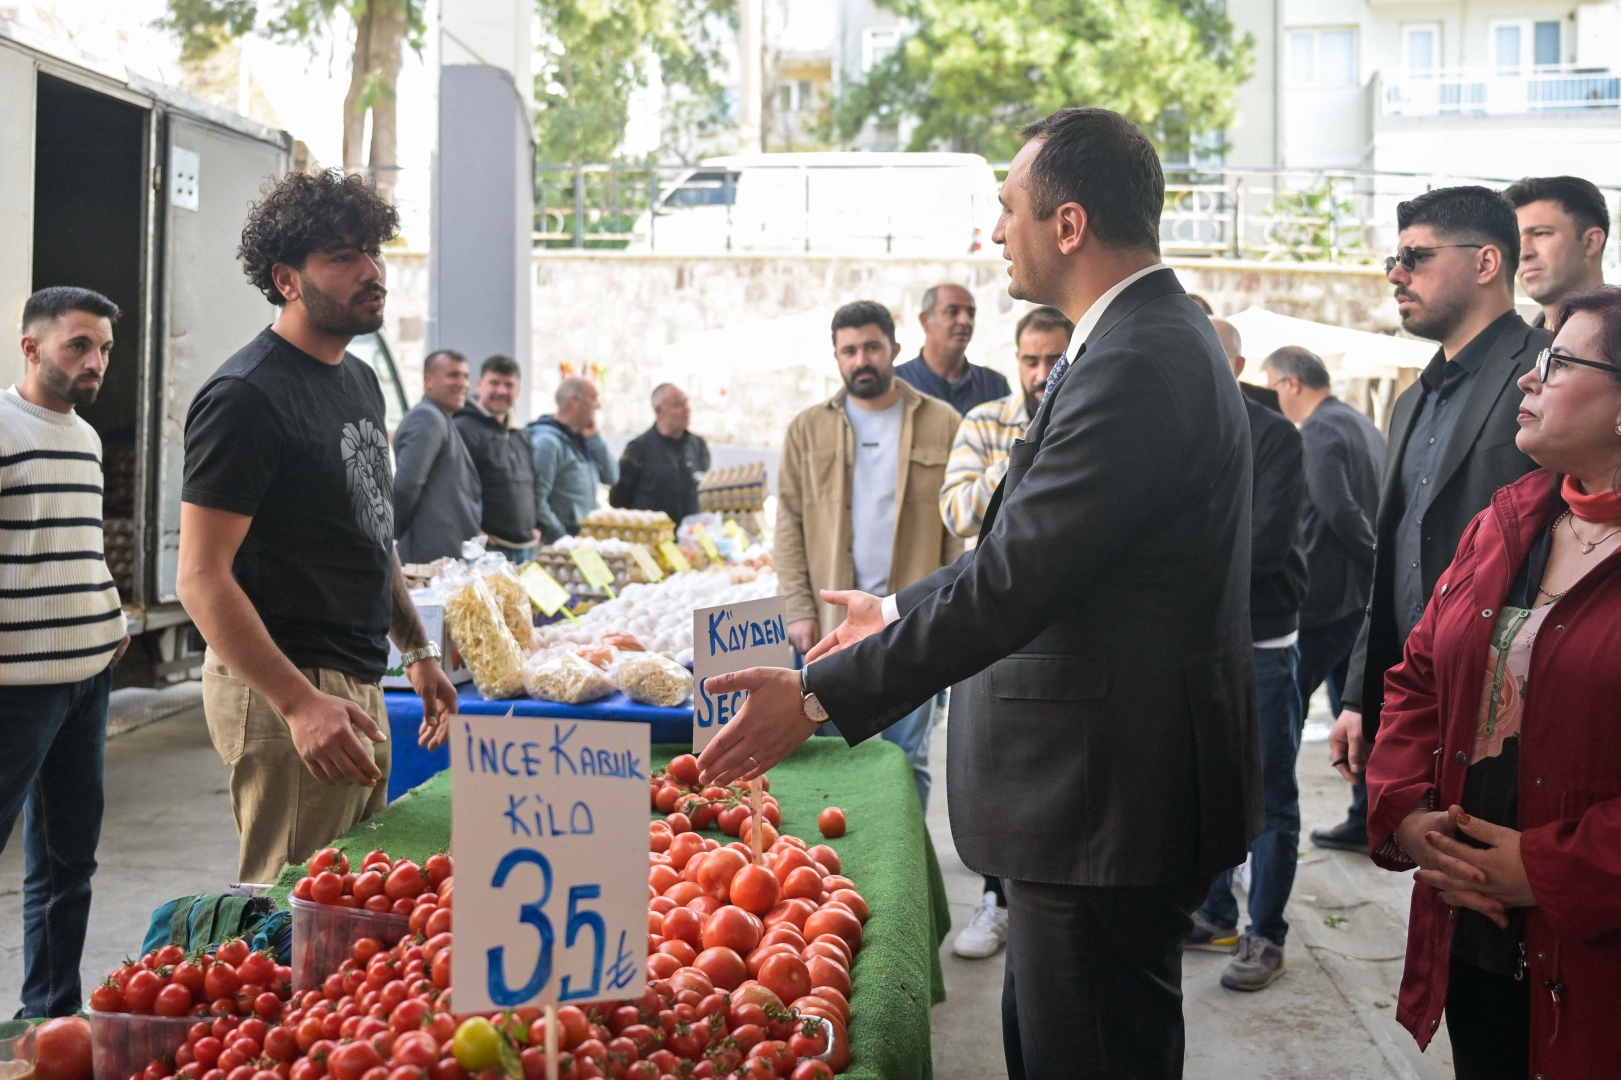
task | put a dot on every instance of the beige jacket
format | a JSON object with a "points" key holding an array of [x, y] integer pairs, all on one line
{"points": [[813, 538]]}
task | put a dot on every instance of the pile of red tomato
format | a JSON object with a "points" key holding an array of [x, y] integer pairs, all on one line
{"points": [[233, 982], [381, 885]]}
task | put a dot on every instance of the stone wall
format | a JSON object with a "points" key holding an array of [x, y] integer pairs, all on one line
{"points": [[747, 336]]}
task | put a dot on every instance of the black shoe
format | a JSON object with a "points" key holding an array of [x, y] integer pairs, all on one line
{"points": [[1348, 835]]}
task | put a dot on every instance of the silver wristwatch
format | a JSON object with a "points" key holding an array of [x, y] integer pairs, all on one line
{"points": [[430, 650], [808, 704]]}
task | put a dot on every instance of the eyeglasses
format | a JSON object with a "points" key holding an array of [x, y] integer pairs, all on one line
{"points": [[1546, 357], [1410, 257]]}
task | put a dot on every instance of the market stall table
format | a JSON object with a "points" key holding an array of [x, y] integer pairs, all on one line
{"points": [[411, 764], [887, 853]]}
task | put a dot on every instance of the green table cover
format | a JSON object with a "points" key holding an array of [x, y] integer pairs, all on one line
{"points": [[886, 852]]}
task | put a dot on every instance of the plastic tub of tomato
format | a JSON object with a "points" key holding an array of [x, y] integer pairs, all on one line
{"points": [[125, 1043], [385, 900]]}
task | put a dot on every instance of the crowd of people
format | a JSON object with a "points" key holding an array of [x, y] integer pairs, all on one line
{"points": [[1132, 571]]}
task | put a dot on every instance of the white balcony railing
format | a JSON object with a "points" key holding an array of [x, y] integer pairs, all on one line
{"points": [[1498, 91]]}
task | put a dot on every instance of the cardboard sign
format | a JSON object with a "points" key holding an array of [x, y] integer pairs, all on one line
{"points": [[730, 638], [673, 556], [549, 834], [596, 572], [544, 591], [645, 562]]}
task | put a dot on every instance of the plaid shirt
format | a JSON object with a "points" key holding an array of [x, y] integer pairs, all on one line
{"points": [[979, 457]]}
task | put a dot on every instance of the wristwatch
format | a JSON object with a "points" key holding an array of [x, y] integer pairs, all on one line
{"points": [[430, 650], [808, 704]]}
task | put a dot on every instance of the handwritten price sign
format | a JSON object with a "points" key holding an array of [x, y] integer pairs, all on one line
{"points": [[731, 638], [549, 833]]}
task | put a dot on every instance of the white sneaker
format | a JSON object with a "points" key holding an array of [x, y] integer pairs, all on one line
{"points": [[985, 933]]}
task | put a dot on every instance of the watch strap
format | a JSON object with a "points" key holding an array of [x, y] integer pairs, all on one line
{"points": [[429, 651]]}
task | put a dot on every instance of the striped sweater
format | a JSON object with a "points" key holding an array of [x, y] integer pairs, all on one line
{"points": [[60, 618], [979, 458]]}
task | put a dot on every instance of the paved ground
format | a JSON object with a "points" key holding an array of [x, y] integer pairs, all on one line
{"points": [[168, 832]]}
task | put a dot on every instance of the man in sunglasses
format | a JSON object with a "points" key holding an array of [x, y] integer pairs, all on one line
{"points": [[1451, 439]]}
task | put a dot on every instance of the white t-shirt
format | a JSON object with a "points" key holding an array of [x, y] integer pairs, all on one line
{"points": [[872, 493]]}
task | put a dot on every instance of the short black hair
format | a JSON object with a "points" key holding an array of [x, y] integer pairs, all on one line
{"points": [[1103, 161], [1303, 364], [1579, 198], [308, 212], [58, 300], [1202, 304], [1042, 318], [501, 365], [1467, 212], [864, 313], [454, 356]]}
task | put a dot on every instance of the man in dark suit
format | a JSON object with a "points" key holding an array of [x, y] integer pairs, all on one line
{"points": [[1451, 433], [1104, 758]]}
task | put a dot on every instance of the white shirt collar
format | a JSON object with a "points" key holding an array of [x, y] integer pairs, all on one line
{"points": [[1089, 321]]}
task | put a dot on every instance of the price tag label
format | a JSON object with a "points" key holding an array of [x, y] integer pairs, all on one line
{"points": [[730, 638], [709, 546], [549, 834], [544, 591], [596, 572], [644, 561], [735, 531], [673, 556]]}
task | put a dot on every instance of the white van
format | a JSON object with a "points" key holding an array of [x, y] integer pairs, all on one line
{"points": [[837, 203]]}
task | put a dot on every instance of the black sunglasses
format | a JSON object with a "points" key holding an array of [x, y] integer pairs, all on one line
{"points": [[1410, 257], [1546, 357]]}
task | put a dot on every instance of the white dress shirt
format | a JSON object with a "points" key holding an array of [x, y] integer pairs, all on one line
{"points": [[1083, 328]]}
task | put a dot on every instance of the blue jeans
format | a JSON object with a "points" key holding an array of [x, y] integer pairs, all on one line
{"points": [[51, 743], [1275, 853]]}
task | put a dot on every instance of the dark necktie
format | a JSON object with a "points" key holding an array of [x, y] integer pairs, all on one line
{"points": [[1058, 372]]}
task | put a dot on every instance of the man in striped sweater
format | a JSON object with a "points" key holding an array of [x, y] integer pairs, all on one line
{"points": [[61, 630]]}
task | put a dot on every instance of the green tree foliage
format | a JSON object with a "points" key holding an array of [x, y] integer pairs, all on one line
{"points": [[595, 54], [973, 72]]}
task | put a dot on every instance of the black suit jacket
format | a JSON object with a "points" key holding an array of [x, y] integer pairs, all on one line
{"points": [[1106, 731], [1345, 457], [1479, 458]]}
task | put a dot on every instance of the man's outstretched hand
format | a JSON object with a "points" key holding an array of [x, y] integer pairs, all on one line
{"points": [[765, 730], [863, 617]]}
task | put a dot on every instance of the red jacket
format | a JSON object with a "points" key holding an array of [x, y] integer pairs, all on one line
{"points": [[1569, 782]]}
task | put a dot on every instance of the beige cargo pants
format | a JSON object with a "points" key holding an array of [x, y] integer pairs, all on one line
{"points": [[283, 813]]}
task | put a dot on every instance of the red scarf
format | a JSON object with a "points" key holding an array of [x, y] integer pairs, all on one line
{"points": [[1605, 506]]}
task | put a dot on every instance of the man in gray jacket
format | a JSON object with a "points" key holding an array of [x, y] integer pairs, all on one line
{"points": [[436, 487], [571, 459]]}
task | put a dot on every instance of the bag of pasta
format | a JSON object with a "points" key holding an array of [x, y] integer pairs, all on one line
{"points": [[565, 676], [502, 581], [652, 678], [473, 617]]}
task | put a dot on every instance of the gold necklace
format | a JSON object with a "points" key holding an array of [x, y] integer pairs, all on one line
{"points": [[1587, 548]]}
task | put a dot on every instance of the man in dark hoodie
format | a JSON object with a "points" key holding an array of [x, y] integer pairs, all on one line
{"points": [[1277, 587], [502, 455]]}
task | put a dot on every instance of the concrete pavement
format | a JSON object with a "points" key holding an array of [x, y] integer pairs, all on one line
{"points": [[168, 832]]}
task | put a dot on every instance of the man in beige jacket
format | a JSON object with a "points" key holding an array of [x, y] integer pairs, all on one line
{"points": [[858, 497]]}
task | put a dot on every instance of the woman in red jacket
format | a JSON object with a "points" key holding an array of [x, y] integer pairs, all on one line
{"points": [[1497, 770]]}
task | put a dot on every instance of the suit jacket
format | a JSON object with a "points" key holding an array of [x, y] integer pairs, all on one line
{"points": [[436, 487], [1479, 458], [1277, 500], [1345, 457], [1106, 733]]}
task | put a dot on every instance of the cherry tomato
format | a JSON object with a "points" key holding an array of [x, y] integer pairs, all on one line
{"points": [[684, 769], [172, 1000], [329, 859], [142, 991], [352, 1060], [232, 952], [326, 888], [812, 1070], [404, 881], [108, 998], [282, 1044]]}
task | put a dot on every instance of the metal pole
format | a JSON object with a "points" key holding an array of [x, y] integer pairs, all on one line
{"points": [[1238, 217], [579, 206], [652, 209]]}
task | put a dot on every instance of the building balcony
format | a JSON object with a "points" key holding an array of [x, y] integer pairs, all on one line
{"points": [[1565, 88]]}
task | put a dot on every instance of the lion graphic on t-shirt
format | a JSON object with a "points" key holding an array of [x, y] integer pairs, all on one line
{"points": [[371, 489]]}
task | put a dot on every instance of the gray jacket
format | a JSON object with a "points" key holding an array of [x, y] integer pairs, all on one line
{"points": [[436, 487], [568, 469]]}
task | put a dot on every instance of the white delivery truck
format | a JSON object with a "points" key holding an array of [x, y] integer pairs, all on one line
{"points": [[115, 183], [926, 204]]}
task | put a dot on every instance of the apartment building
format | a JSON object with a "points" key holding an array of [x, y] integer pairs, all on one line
{"points": [[1489, 88]]}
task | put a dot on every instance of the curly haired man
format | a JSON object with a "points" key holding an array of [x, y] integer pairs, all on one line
{"points": [[287, 560]]}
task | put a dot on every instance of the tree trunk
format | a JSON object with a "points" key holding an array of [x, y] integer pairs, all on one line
{"points": [[354, 110], [388, 24]]}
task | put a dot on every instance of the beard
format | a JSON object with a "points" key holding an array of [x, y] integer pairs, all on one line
{"points": [[332, 316], [65, 387], [867, 383], [1438, 317], [1032, 400]]}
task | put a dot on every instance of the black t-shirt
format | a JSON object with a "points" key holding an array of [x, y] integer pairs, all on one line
{"points": [[1491, 792], [301, 447]]}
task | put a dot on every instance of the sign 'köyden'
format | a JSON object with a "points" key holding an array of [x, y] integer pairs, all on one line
{"points": [[549, 834], [730, 638]]}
